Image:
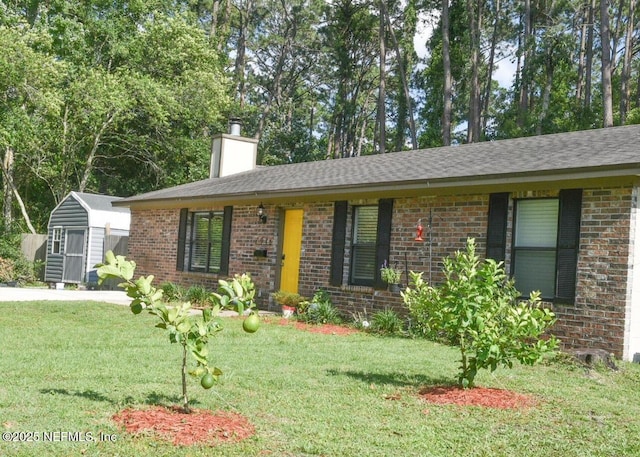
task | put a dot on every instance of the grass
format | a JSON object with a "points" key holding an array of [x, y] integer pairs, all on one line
{"points": [[70, 367]]}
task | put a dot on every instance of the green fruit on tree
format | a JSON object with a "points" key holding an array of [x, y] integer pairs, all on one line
{"points": [[251, 323], [207, 380]]}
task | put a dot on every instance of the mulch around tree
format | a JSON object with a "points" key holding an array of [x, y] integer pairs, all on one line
{"points": [[478, 396], [325, 329], [199, 427]]}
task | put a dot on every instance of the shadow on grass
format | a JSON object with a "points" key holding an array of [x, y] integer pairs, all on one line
{"points": [[393, 378], [153, 398], [160, 399], [88, 394]]}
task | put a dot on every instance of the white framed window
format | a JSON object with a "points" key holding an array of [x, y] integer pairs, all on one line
{"points": [[56, 240], [535, 246]]}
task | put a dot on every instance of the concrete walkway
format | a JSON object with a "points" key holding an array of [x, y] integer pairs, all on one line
{"points": [[117, 297], [32, 294]]}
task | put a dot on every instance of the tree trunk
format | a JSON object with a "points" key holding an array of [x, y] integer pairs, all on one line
{"points": [[523, 104], [546, 93], [492, 55], [213, 26], [382, 115], [446, 62], [185, 398], [89, 162], [241, 52], [625, 79], [405, 85], [582, 56], [473, 129], [605, 36], [7, 191], [8, 179], [589, 56]]}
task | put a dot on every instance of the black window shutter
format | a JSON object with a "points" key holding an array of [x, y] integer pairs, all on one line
{"points": [[383, 238], [182, 238], [226, 240], [497, 226], [338, 242], [568, 244]]}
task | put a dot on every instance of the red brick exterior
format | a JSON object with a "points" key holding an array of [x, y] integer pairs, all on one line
{"points": [[596, 319]]}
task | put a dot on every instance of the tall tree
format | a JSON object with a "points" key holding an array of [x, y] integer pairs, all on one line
{"points": [[446, 66], [606, 67], [381, 118], [625, 77]]}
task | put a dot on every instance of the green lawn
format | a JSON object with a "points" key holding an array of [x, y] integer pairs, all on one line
{"points": [[70, 367]]}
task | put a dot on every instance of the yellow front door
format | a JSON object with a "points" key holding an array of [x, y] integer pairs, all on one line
{"points": [[291, 246]]}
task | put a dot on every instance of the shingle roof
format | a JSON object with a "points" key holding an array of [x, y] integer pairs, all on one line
{"points": [[100, 202], [608, 151]]}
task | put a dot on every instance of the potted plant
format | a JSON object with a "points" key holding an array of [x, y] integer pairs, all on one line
{"points": [[391, 276], [288, 300]]}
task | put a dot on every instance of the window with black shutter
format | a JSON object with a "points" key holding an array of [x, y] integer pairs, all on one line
{"points": [[534, 246], [203, 241], [546, 239], [363, 245]]}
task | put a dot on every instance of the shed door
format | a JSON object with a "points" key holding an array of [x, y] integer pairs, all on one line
{"points": [[74, 246]]}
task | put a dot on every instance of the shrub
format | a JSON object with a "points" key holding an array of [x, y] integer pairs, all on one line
{"points": [[7, 272], [173, 292], [387, 322], [15, 267], [288, 298], [323, 313], [198, 295], [320, 310], [478, 309]]}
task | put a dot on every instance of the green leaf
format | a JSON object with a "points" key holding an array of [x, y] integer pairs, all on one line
{"points": [[127, 269], [109, 271], [184, 326], [109, 257]]}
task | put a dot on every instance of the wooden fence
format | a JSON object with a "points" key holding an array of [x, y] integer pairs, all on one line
{"points": [[118, 245], [34, 249]]}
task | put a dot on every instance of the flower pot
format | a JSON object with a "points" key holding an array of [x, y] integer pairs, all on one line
{"points": [[394, 288], [287, 311]]}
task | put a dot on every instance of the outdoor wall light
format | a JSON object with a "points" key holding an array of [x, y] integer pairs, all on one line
{"points": [[261, 216]]}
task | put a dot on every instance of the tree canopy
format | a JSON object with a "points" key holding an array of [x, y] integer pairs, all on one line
{"points": [[122, 97]]}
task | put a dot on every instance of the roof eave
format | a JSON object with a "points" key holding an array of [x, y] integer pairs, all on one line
{"points": [[465, 184]]}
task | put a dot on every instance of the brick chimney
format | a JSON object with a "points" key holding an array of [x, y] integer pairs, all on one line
{"points": [[232, 153]]}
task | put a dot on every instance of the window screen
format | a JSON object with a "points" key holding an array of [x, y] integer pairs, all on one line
{"points": [[206, 241], [363, 249], [535, 239]]}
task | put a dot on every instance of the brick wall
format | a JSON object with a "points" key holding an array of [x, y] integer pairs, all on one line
{"points": [[596, 319], [453, 219]]}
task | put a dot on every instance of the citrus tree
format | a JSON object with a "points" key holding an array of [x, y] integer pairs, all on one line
{"points": [[479, 310], [190, 329]]}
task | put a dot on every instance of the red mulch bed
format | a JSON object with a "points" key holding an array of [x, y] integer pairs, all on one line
{"points": [[325, 329], [478, 396], [184, 429]]}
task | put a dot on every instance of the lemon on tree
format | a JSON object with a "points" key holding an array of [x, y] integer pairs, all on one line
{"points": [[251, 323], [207, 380], [192, 332]]}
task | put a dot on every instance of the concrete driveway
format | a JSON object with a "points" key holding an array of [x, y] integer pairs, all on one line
{"points": [[31, 294], [117, 297]]}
